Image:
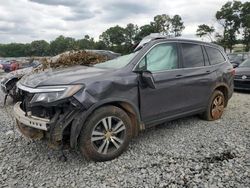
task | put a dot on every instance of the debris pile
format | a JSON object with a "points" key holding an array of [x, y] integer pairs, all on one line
{"points": [[71, 58]]}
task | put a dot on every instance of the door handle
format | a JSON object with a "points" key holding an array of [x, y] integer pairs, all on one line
{"points": [[178, 76]]}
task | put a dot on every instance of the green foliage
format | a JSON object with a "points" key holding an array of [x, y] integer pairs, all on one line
{"points": [[234, 17], [144, 31], [62, 44], [113, 36], [161, 24], [39, 48], [177, 26], [15, 50], [205, 30], [245, 20], [85, 43], [229, 17]]}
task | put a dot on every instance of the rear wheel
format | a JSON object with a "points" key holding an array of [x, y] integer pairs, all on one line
{"points": [[215, 106], [106, 134]]}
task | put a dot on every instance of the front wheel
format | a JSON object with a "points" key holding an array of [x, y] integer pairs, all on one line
{"points": [[106, 134], [215, 106]]}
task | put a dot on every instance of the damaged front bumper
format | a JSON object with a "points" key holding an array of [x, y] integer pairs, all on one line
{"points": [[54, 129], [32, 127], [29, 120]]}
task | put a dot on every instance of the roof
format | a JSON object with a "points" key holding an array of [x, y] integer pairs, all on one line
{"points": [[157, 36]]}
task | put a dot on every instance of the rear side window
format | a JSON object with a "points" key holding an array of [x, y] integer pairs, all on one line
{"points": [[192, 55], [214, 55]]}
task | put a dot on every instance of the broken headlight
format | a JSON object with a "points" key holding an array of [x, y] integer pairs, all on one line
{"points": [[50, 94]]}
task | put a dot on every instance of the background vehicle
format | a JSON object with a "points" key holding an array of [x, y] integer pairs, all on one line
{"points": [[242, 76], [99, 108], [8, 82], [9, 65], [237, 58]]}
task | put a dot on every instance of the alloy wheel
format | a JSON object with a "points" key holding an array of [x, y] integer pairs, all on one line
{"points": [[108, 135], [217, 107]]}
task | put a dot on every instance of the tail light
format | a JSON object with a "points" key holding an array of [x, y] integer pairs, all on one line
{"points": [[233, 72]]}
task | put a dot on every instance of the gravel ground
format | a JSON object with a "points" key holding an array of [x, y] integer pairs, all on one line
{"points": [[184, 153]]}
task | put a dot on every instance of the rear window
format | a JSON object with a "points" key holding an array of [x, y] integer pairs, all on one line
{"points": [[192, 55], [214, 55]]}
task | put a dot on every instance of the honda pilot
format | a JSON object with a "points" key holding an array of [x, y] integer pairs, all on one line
{"points": [[98, 109]]}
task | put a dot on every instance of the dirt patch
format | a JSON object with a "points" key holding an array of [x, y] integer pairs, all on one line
{"points": [[225, 155]]}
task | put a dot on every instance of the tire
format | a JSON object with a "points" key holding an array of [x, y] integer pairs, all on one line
{"points": [[215, 106], [100, 141]]}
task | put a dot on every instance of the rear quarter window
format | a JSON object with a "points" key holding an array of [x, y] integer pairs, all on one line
{"points": [[192, 55], [214, 55]]}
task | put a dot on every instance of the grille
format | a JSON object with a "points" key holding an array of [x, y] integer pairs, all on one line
{"points": [[242, 84], [239, 77]]}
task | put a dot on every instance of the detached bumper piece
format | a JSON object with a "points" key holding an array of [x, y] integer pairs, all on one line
{"points": [[53, 128], [30, 121]]}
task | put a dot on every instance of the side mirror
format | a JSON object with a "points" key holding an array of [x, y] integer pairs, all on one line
{"points": [[235, 65], [148, 79]]}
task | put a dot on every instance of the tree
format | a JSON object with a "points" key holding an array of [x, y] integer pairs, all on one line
{"points": [[205, 30], [144, 31], [114, 36], [15, 50], [161, 24], [177, 26], [245, 20], [100, 45], [85, 43], [131, 31], [62, 44], [39, 48], [228, 17]]}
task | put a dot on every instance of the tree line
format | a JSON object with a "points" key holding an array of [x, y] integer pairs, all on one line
{"points": [[234, 18], [118, 39]]}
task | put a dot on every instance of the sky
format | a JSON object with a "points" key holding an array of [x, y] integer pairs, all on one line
{"points": [[28, 20]]}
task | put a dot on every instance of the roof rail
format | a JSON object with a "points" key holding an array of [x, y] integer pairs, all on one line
{"points": [[147, 39]]}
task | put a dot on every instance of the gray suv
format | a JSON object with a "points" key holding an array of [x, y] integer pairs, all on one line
{"points": [[99, 109]]}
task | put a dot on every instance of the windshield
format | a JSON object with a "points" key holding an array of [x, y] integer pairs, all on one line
{"points": [[245, 63], [118, 62]]}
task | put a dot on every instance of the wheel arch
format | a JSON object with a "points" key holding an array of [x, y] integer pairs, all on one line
{"points": [[127, 106], [224, 89]]}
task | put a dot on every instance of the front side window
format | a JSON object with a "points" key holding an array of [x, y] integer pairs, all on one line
{"points": [[214, 55], [161, 57], [192, 55]]}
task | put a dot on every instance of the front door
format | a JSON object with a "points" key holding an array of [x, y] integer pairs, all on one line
{"points": [[166, 99]]}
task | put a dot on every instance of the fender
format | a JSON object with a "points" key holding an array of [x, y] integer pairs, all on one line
{"points": [[81, 119], [229, 92], [221, 84]]}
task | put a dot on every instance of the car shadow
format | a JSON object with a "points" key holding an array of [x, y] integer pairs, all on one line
{"points": [[242, 91]]}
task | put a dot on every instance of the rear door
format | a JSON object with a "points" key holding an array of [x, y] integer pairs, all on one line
{"points": [[197, 76]]}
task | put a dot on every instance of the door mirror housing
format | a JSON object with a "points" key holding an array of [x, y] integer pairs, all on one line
{"points": [[148, 79]]}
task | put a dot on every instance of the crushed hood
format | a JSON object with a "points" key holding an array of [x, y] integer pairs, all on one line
{"points": [[65, 76]]}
